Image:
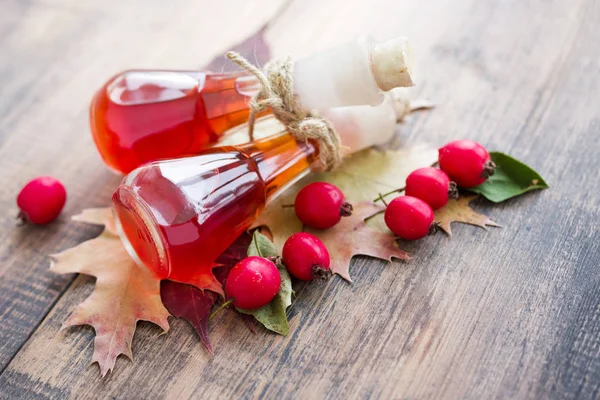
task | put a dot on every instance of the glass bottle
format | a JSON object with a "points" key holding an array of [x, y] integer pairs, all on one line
{"points": [[140, 116], [176, 217]]}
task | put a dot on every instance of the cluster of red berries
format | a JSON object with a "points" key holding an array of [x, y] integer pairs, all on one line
{"points": [[463, 163], [254, 281]]}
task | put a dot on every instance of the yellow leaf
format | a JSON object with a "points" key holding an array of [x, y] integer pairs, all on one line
{"points": [[124, 293], [459, 211]]}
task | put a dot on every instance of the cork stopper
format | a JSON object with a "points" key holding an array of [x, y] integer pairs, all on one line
{"points": [[391, 64]]}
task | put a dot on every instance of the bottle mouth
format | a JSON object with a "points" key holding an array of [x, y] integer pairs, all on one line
{"points": [[138, 231]]}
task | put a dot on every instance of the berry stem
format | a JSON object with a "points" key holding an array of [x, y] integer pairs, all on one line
{"points": [[374, 215], [321, 273], [224, 305], [434, 228], [381, 196], [287, 205], [22, 218], [346, 209], [489, 168], [453, 190], [382, 199]]}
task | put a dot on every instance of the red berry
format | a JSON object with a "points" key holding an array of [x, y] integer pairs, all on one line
{"points": [[321, 205], [409, 218], [253, 283], [466, 162], [306, 257], [41, 200], [430, 185]]}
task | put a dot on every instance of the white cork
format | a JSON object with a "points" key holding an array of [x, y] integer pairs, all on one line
{"points": [[355, 73], [391, 64]]}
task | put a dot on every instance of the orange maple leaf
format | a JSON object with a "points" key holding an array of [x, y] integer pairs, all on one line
{"points": [[124, 293], [351, 236], [459, 211]]}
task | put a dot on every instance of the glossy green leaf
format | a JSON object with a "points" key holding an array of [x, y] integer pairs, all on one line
{"points": [[273, 315], [512, 178], [261, 246]]}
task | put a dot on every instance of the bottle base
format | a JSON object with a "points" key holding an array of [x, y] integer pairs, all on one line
{"points": [[137, 229]]}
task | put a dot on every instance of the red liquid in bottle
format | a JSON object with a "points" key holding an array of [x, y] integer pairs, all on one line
{"points": [[142, 116], [178, 216]]}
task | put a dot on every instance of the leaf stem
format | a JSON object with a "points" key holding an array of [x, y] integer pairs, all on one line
{"points": [[224, 305]]}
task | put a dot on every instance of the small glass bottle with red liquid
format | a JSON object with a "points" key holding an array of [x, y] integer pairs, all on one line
{"points": [[142, 116], [176, 217]]}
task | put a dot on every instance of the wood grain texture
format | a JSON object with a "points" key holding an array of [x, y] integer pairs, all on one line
{"points": [[505, 313]]}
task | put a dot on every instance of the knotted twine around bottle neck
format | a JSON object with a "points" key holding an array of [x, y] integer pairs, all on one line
{"points": [[277, 92]]}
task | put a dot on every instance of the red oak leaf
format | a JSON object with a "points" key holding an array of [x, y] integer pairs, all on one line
{"points": [[190, 303]]}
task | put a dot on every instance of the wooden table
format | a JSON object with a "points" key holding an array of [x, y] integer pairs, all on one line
{"points": [[507, 313]]}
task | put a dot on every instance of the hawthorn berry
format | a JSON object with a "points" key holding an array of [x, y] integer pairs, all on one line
{"points": [[431, 185], [466, 162], [321, 205], [41, 200], [252, 283], [306, 257], [409, 218]]}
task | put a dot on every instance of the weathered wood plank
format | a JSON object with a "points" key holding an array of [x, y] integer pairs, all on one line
{"points": [[508, 313], [54, 55]]}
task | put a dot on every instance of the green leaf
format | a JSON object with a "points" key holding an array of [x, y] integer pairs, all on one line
{"points": [[261, 246], [273, 315], [512, 178]]}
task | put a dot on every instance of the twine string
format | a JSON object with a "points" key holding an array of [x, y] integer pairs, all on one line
{"points": [[277, 93]]}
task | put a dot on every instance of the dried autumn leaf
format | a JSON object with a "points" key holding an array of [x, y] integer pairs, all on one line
{"points": [[459, 211], [351, 236], [124, 293], [361, 177], [98, 216]]}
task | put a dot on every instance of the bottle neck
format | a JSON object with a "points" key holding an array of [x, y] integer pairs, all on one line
{"points": [[281, 160]]}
